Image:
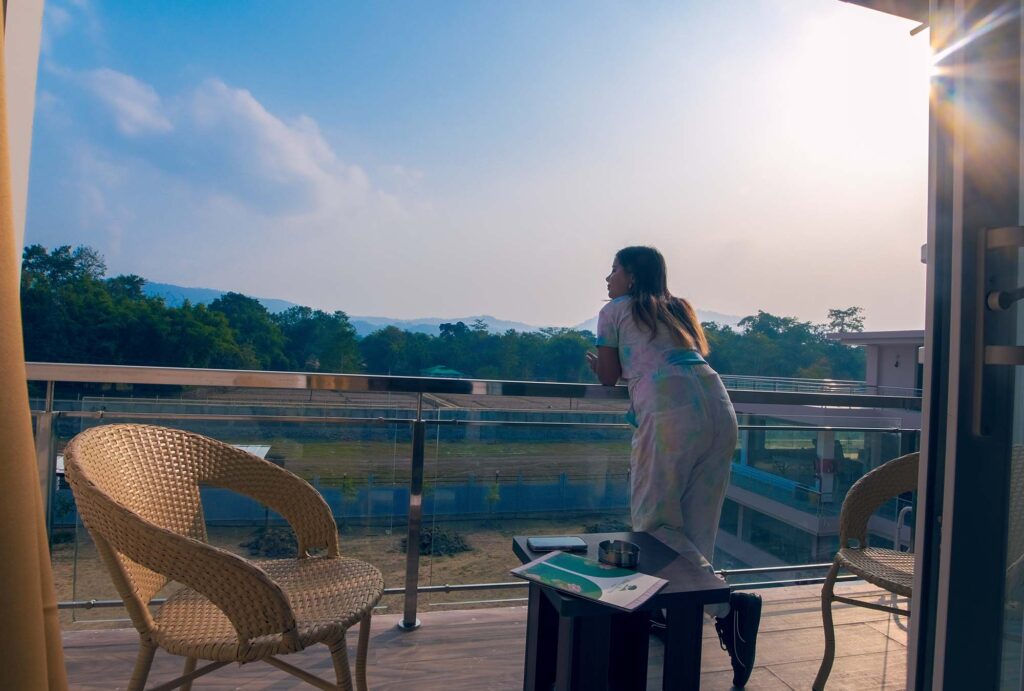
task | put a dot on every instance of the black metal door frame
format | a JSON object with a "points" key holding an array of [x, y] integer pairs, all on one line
{"points": [[974, 187]]}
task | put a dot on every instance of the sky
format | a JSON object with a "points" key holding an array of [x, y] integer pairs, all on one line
{"points": [[443, 159]]}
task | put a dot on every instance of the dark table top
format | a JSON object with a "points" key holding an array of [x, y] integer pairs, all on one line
{"points": [[688, 582]]}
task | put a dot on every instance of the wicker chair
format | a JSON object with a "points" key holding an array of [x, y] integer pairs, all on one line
{"points": [[137, 490], [886, 568]]}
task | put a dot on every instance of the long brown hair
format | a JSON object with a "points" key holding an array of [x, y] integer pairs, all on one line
{"points": [[653, 304]]}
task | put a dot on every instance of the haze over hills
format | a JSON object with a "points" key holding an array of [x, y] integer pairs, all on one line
{"points": [[175, 295]]}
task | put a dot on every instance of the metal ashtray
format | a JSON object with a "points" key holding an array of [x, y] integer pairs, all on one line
{"points": [[619, 553]]}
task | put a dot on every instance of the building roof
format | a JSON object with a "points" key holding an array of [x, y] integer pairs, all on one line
{"points": [[908, 9], [909, 337]]}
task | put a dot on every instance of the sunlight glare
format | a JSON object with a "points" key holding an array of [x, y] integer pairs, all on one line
{"points": [[990, 22]]}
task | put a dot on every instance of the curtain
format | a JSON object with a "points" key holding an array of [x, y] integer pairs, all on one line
{"points": [[30, 644]]}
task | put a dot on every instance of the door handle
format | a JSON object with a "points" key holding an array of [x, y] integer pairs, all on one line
{"points": [[999, 300], [1010, 237], [1005, 238]]}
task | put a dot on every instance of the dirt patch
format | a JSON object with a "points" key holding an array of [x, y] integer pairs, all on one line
{"points": [[80, 575]]}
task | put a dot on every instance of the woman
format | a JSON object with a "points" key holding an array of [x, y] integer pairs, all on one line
{"points": [[685, 432]]}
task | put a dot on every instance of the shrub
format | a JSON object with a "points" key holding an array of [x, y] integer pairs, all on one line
{"points": [[440, 541], [607, 525], [62, 536], [272, 543]]}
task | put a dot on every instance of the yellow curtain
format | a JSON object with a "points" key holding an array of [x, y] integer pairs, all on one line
{"points": [[30, 645]]}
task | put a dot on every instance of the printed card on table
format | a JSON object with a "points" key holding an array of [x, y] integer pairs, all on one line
{"points": [[593, 580]]}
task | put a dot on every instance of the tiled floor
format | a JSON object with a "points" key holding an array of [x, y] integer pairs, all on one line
{"points": [[480, 649]]}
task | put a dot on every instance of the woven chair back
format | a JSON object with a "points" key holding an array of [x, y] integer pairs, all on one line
{"points": [[888, 480], [153, 472]]}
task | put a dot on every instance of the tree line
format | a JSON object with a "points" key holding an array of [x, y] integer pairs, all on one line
{"points": [[73, 312]]}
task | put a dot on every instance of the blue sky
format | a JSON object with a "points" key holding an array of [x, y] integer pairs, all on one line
{"points": [[446, 159]]}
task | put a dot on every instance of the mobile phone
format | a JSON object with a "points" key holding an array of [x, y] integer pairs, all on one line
{"points": [[566, 543]]}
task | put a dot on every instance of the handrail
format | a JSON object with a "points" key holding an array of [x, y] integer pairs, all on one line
{"points": [[432, 422], [503, 585], [372, 383], [763, 383]]}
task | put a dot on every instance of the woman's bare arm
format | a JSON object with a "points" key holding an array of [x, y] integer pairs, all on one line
{"points": [[606, 365]]}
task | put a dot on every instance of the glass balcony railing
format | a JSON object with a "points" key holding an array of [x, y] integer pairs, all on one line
{"points": [[836, 386], [497, 459]]}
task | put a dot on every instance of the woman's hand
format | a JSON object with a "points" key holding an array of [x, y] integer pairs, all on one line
{"points": [[605, 364]]}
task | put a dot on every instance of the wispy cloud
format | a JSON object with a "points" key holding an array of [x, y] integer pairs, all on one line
{"points": [[61, 18], [56, 22], [135, 105], [205, 185], [293, 156]]}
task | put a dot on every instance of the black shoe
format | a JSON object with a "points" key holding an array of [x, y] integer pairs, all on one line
{"points": [[658, 625], [737, 633]]}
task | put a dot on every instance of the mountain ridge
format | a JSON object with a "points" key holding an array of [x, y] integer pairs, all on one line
{"points": [[174, 295]]}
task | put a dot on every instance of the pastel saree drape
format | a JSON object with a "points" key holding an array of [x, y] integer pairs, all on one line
{"points": [[30, 641]]}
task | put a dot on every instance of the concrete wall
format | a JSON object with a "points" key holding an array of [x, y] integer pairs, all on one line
{"points": [[893, 365]]}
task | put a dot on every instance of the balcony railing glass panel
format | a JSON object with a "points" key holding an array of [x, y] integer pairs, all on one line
{"points": [[498, 459]]}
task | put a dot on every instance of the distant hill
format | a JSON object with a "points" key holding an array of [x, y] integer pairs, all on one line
{"points": [[431, 325], [175, 295]]}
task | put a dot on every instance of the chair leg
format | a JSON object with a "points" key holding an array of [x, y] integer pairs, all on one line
{"points": [[143, 661], [364, 642], [339, 656], [190, 666], [827, 591]]}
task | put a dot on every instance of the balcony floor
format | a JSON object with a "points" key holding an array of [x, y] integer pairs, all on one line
{"points": [[483, 649]]}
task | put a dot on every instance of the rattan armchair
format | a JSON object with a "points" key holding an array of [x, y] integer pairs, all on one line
{"points": [[889, 569], [137, 491]]}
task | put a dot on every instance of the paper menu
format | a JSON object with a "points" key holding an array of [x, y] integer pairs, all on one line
{"points": [[590, 579]]}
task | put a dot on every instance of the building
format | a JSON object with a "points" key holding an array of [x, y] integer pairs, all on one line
{"points": [[894, 359]]}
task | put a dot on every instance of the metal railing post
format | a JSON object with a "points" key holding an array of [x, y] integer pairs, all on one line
{"points": [[909, 441], [46, 461], [412, 543]]}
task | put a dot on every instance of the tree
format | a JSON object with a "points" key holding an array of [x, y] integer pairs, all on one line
{"points": [[62, 265], [127, 287], [845, 320], [255, 331], [196, 336], [774, 346], [393, 351], [318, 341]]}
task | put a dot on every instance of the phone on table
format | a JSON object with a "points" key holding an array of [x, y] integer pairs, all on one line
{"points": [[566, 543]]}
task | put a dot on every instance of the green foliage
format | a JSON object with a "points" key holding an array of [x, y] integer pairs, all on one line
{"points": [[348, 488], [272, 543], [846, 320], [72, 313], [550, 355], [257, 334], [63, 505], [608, 525], [773, 346], [439, 541], [318, 341], [493, 495]]}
